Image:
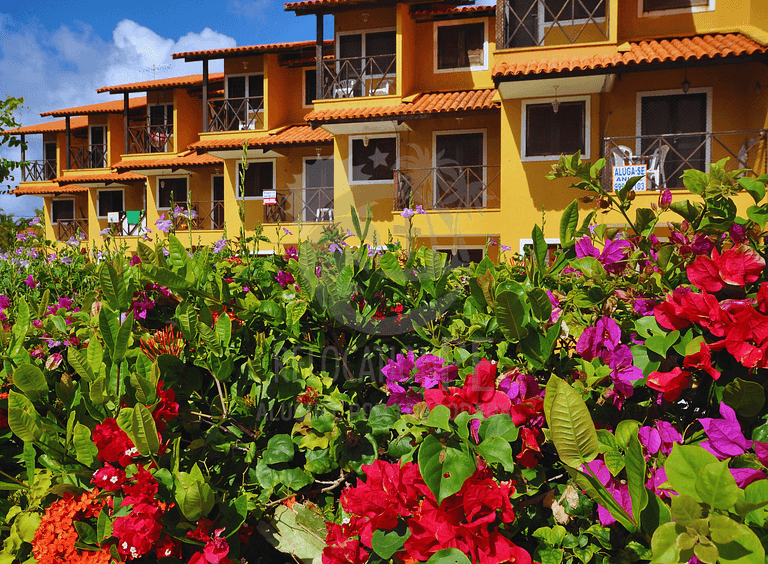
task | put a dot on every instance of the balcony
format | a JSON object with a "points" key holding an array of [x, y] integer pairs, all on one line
{"points": [[66, 228], [533, 23], [38, 171], [200, 216], [130, 224], [88, 156], [150, 139], [668, 156], [353, 77], [236, 114], [449, 188], [308, 205]]}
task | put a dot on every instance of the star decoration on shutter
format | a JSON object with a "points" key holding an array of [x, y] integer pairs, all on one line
{"points": [[378, 158]]}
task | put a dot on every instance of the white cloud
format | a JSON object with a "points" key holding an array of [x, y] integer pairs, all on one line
{"points": [[64, 67]]}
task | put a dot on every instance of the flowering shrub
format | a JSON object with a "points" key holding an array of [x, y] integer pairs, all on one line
{"points": [[352, 402]]}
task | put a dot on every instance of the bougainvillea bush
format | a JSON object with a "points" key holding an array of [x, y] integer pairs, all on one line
{"points": [[345, 402]]}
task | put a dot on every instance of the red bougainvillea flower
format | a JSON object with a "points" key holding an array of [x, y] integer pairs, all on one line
{"points": [[479, 392], [735, 267], [113, 443], [527, 456], [168, 547], [671, 384], [341, 549], [109, 478], [703, 361], [166, 408]]}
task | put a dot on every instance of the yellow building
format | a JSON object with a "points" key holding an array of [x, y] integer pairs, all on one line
{"points": [[461, 110]]}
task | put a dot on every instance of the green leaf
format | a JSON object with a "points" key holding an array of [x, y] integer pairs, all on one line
{"points": [[210, 337], [122, 339], [645, 220], [754, 187], [707, 553], [541, 306], [279, 449], [723, 529], [187, 316], [512, 316], [80, 363], [224, 330], [85, 449], [165, 277], [23, 419], [445, 467], [568, 222], [289, 536], [664, 544], [113, 288], [497, 450], [685, 509], [655, 514], [499, 425], [146, 254], [745, 397], [758, 214], [144, 430], [590, 267], [716, 486], [42, 307], [598, 492], [571, 426], [177, 256], [386, 543], [97, 390], [439, 417], [746, 549], [31, 381], [109, 325], [539, 247], [95, 355], [449, 556], [636, 477], [683, 467], [391, 267]]}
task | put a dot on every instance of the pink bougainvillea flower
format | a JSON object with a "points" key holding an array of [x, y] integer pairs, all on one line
{"points": [[613, 257], [619, 490], [745, 476], [671, 384], [605, 335], [431, 371], [725, 438]]}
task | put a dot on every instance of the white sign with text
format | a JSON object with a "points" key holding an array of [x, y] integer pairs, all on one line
{"points": [[622, 174]]}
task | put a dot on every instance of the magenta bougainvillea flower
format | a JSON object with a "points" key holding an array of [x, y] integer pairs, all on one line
{"points": [[614, 255], [725, 438]]}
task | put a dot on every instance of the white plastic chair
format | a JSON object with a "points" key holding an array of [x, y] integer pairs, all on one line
{"points": [[621, 155], [344, 88], [656, 166]]}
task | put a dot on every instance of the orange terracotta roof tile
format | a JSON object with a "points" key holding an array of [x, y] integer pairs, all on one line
{"points": [[653, 51], [162, 84], [424, 103], [113, 107], [78, 122], [36, 189], [188, 159], [291, 135], [248, 49], [107, 177], [328, 5], [440, 10]]}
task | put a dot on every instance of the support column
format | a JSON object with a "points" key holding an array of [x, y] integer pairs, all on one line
{"points": [[24, 158], [69, 143], [205, 95], [319, 82], [126, 141]]}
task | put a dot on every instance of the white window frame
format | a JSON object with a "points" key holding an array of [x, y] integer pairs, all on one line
{"points": [[168, 119], [247, 87], [304, 181], [100, 190], [171, 177], [537, 101], [547, 240], [673, 92], [274, 180], [55, 200], [350, 166], [304, 86], [484, 131], [364, 42], [710, 7], [440, 24]]}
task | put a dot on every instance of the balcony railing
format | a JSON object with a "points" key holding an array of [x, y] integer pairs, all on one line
{"points": [[88, 156], [666, 157], [310, 205], [200, 216], [151, 139], [353, 77], [130, 224], [38, 171], [448, 188], [71, 228], [235, 114], [531, 23]]}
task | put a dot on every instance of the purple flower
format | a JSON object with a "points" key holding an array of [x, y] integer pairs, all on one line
{"points": [[219, 245], [619, 490], [407, 213], [738, 233], [400, 369], [30, 281], [5, 303], [745, 476], [318, 271], [606, 334], [35, 221], [725, 436], [644, 306], [420, 210], [291, 253], [335, 247], [659, 438], [284, 278], [163, 224], [286, 231], [613, 255], [66, 260], [73, 242], [665, 199], [624, 372], [431, 371], [135, 260], [556, 310], [21, 237], [402, 398], [105, 232], [506, 248]]}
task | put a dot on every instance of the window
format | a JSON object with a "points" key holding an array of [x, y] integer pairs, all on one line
{"points": [[461, 46], [62, 209], [373, 158], [529, 22], [310, 86], [554, 248], [684, 5], [98, 152], [318, 189], [463, 257], [547, 133], [460, 170], [245, 101], [365, 64], [259, 176], [160, 121], [109, 201], [172, 191], [50, 161]]}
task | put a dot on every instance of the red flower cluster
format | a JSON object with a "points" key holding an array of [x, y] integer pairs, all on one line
{"points": [[166, 407], [139, 531], [393, 494], [736, 267], [216, 547], [113, 443]]}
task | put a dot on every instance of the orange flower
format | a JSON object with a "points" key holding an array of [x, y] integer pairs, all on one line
{"points": [[166, 341]]}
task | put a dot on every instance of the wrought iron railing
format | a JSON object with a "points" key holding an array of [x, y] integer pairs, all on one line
{"points": [[308, 204], [88, 156], [554, 22], [150, 139], [71, 228], [38, 171], [200, 216], [666, 157], [234, 114], [352, 77], [448, 187]]}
